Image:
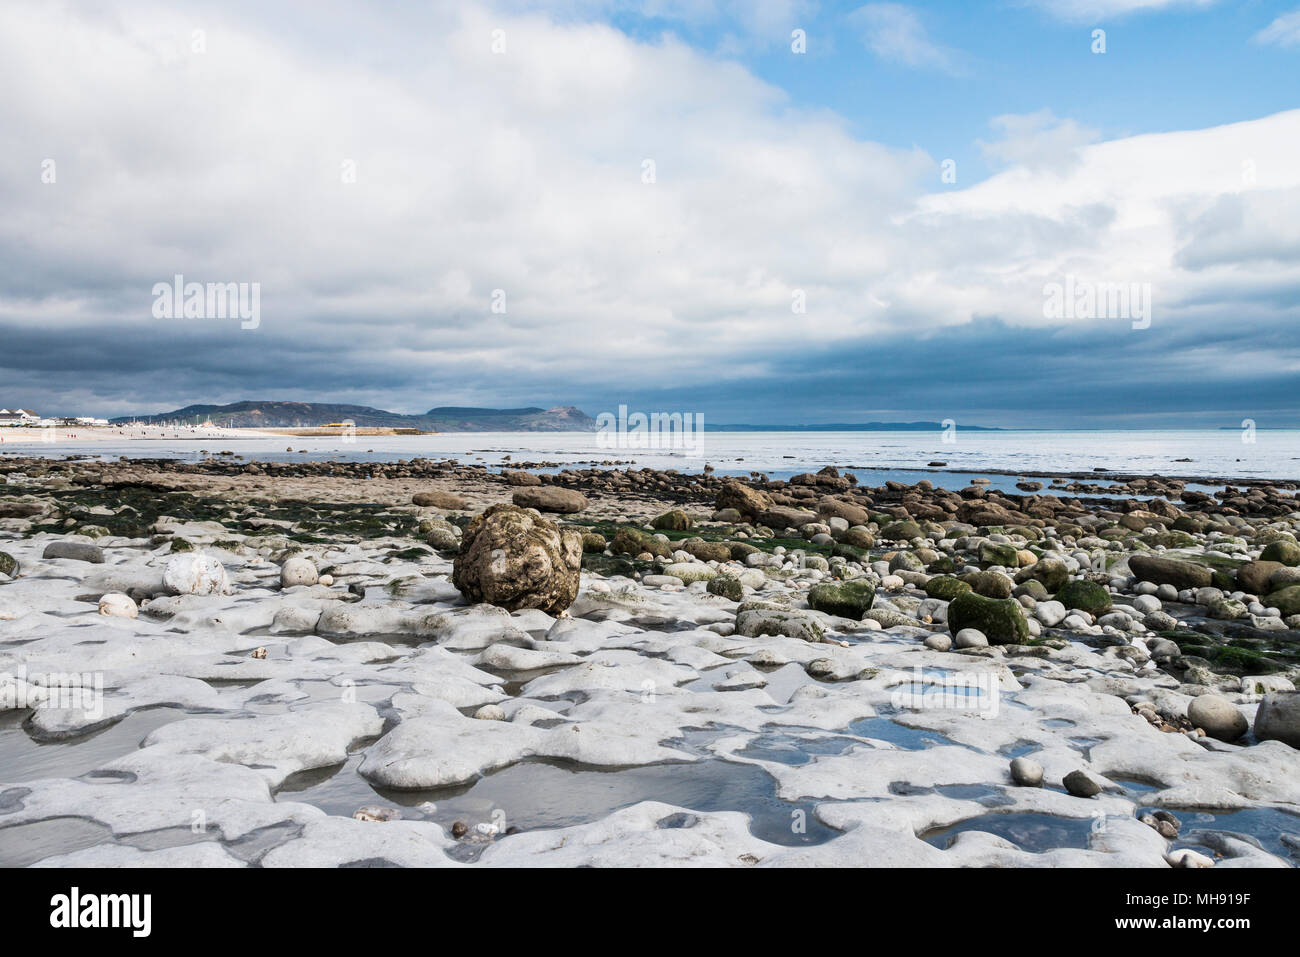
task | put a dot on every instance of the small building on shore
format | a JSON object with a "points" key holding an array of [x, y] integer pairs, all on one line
{"points": [[12, 417]]}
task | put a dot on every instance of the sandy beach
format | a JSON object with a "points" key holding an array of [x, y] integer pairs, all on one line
{"points": [[124, 433]]}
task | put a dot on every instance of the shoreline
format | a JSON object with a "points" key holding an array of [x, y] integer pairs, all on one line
{"points": [[225, 463]]}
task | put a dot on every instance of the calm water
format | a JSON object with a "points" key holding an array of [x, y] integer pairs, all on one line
{"points": [[905, 455]]}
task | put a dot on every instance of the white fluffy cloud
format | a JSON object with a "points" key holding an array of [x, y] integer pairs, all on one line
{"points": [[896, 32], [524, 171], [1283, 32]]}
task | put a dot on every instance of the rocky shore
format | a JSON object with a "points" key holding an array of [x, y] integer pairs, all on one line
{"points": [[432, 663]]}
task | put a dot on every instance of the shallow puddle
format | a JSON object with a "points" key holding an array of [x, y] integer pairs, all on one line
{"points": [[909, 739], [1029, 831], [26, 844], [551, 794], [792, 750], [1277, 832], [22, 759]]}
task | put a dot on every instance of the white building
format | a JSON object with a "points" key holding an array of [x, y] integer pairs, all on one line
{"points": [[18, 417]]}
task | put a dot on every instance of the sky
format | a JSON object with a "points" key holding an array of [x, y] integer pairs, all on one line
{"points": [[1016, 213]]}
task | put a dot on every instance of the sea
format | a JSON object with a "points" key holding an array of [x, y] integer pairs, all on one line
{"points": [[873, 456]]}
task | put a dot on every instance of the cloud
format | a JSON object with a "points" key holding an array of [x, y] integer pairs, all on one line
{"points": [[895, 32], [1282, 32], [1036, 141], [525, 172]]}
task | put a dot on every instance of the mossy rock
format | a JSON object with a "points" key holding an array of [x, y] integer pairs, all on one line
{"points": [[629, 541], [852, 599], [593, 542], [602, 564], [675, 520], [726, 586], [8, 565], [858, 536], [182, 545], [442, 536], [1001, 620], [1034, 589], [1241, 660], [707, 551], [1286, 600], [689, 572], [1288, 553], [1051, 572], [945, 587], [901, 531], [1172, 539], [992, 553], [989, 584], [1266, 536], [907, 562], [1084, 595], [739, 550], [1224, 581], [943, 565]]}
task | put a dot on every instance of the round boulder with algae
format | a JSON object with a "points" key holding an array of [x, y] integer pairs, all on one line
{"points": [[513, 558]]}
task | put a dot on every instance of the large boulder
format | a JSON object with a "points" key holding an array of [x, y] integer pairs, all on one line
{"points": [[1286, 600], [1218, 717], [707, 551], [1086, 596], [514, 559], [1282, 551], [836, 508], [436, 498], [903, 531], [548, 498], [991, 553], [945, 587], [988, 584], [757, 619], [672, 521], [1050, 571], [851, 599], [1278, 718], [747, 501], [1000, 620], [298, 571], [1254, 577], [781, 517], [193, 573], [513, 477], [1169, 571], [630, 541]]}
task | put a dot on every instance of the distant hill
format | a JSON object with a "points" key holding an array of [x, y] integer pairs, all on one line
{"points": [[288, 415]]}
